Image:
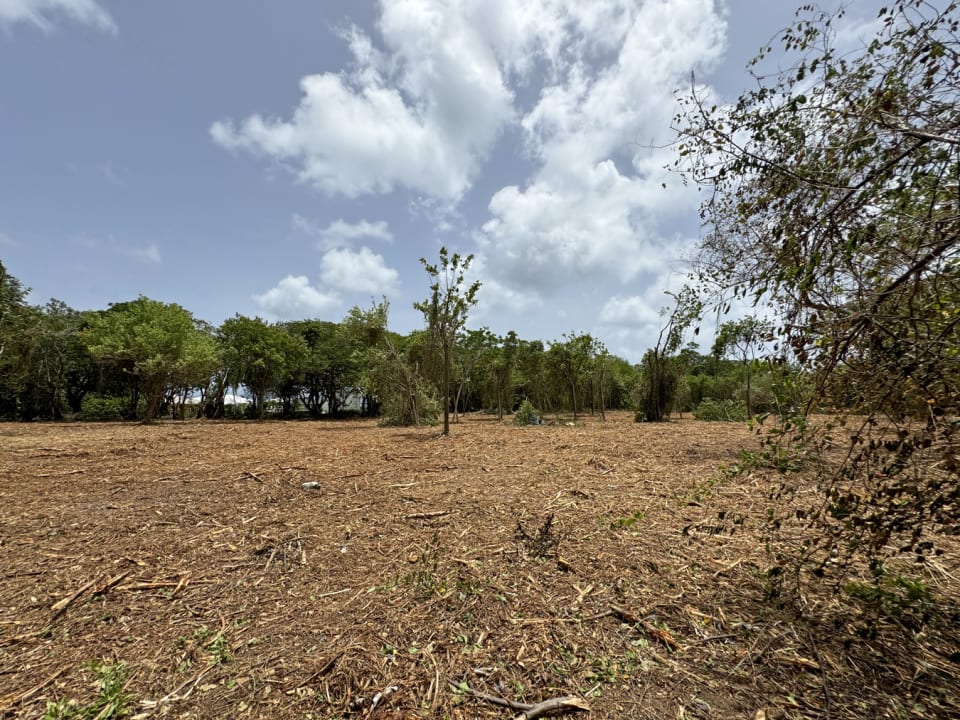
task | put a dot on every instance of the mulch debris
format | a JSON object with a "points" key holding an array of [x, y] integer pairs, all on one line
{"points": [[342, 570]]}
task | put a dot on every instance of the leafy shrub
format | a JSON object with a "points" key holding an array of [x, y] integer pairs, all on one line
{"points": [[526, 414], [104, 407], [396, 411], [721, 410]]}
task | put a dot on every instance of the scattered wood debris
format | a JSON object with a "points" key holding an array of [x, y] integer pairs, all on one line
{"points": [[190, 552]]}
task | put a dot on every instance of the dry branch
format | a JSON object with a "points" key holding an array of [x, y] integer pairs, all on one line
{"points": [[528, 712], [112, 582], [661, 634], [14, 699], [61, 605], [570, 703], [427, 516]]}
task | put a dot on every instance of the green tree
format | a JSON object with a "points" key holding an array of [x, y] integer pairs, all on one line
{"points": [[261, 356], [446, 311], [60, 370], [392, 375], [17, 320], [743, 338], [532, 378], [569, 362], [473, 346], [501, 361], [161, 346], [660, 371], [619, 377], [600, 387], [330, 371], [833, 199]]}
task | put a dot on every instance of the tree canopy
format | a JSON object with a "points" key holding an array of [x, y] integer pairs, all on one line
{"points": [[445, 311], [259, 355], [833, 198], [160, 344]]}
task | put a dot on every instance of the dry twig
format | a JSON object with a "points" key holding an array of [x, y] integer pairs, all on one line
{"points": [[528, 712]]}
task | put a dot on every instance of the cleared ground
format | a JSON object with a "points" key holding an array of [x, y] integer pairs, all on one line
{"points": [[603, 561]]}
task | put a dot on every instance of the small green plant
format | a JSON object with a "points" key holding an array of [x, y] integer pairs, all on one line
{"points": [[215, 642], [424, 578], [467, 588], [893, 595], [469, 646], [111, 703], [526, 414], [621, 523]]}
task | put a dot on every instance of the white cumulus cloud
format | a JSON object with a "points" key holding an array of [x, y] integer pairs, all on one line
{"points": [[293, 298], [340, 233], [421, 114], [357, 271], [595, 208], [45, 13], [629, 312]]}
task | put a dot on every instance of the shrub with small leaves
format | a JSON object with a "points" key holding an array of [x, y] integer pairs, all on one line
{"points": [[526, 414], [721, 410]]}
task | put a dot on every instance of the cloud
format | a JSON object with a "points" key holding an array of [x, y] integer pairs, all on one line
{"points": [[357, 271], [494, 296], [341, 233], [552, 234], [595, 209], [421, 114], [44, 13], [149, 254], [109, 244], [629, 312], [294, 298]]}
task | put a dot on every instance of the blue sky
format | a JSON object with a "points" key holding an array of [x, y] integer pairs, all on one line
{"points": [[294, 158]]}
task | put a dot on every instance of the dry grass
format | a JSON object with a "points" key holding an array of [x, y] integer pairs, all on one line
{"points": [[604, 561]]}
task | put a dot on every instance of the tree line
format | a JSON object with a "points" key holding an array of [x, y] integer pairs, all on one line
{"points": [[143, 359]]}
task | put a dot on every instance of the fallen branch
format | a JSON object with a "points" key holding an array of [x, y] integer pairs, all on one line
{"points": [[335, 592], [661, 634], [60, 606], [112, 582], [560, 704], [174, 695], [492, 699], [527, 711], [8, 702], [427, 516]]}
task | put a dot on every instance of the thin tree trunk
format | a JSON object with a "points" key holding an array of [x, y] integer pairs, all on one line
{"points": [[446, 388]]}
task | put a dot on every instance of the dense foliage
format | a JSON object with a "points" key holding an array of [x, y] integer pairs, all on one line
{"points": [[833, 199], [142, 359]]}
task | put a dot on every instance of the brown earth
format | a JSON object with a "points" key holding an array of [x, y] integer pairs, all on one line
{"points": [[607, 561]]}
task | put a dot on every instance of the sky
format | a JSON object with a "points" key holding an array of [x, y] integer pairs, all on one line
{"points": [[296, 158]]}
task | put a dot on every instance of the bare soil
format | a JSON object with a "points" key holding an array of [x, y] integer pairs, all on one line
{"points": [[608, 561]]}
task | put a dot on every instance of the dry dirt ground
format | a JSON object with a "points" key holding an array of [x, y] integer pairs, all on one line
{"points": [[606, 562]]}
